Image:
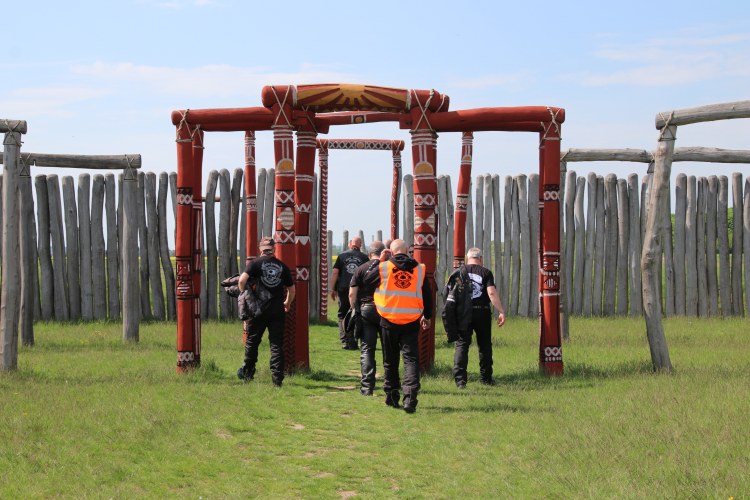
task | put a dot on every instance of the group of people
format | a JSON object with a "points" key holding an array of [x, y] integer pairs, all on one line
{"points": [[392, 300]]}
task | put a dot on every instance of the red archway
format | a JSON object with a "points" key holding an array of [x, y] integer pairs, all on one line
{"points": [[311, 109]]}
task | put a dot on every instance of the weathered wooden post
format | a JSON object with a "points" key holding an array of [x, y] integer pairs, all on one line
{"points": [[71, 249], [9, 298], [409, 209], [600, 250], [225, 267], [534, 271], [497, 219], [634, 247], [691, 263], [131, 312], [269, 212], [722, 229], [678, 257], [84, 236], [588, 271], [580, 250], [154, 269], [610, 249], [527, 259], [515, 250], [27, 252], [211, 249], [260, 203], [479, 211], [623, 220], [737, 227], [487, 223], [652, 248], [113, 250], [462, 200], [142, 248], [508, 188], [700, 230], [98, 274], [567, 273], [746, 241], [166, 262], [58, 248]]}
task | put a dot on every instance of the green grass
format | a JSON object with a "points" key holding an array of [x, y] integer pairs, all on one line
{"points": [[88, 416]]}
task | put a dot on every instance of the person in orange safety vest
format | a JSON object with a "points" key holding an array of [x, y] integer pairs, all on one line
{"points": [[403, 298]]}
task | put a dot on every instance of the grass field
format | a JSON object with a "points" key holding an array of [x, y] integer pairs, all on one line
{"points": [[88, 416]]}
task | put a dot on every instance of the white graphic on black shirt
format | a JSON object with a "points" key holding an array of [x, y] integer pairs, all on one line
{"points": [[270, 274], [476, 286]]}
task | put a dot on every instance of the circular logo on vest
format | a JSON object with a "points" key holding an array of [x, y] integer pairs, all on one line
{"points": [[402, 279]]}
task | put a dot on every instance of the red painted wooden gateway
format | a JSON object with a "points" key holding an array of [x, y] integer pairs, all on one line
{"points": [[310, 110]]}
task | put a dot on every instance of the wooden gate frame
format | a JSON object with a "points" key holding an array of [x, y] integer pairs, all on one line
{"points": [[310, 110]]}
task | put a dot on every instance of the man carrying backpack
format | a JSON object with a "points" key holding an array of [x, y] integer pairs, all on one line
{"points": [[483, 292]]}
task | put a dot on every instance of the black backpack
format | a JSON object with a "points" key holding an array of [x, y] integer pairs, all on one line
{"points": [[253, 301], [457, 310]]}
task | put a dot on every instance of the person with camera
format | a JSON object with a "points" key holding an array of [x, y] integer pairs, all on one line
{"points": [[403, 299], [361, 290], [269, 272], [483, 293]]}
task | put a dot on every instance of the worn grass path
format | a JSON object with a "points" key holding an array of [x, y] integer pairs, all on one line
{"points": [[87, 416]]}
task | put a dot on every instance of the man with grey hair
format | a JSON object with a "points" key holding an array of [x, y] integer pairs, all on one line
{"points": [[361, 290], [483, 293]]}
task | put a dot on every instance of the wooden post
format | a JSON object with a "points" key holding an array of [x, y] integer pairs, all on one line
{"points": [[746, 241], [515, 250], [234, 225], [508, 189], [58, 248], [225, 267], [600, 250], [680, 190], [252, 215], [691, 264], [9, 298], [84, 238], [462, 200], [711, 254], [470, 218], [154, 269], [142, 248], [611, 244], [623, 220], [211, 250], [442, 246], [737, 226], [71, 251], [98, 274], [652, 251], [27, 254], [479, 221], [634, 247], [700, 231], [409, 209], [725, 288], [487, 224], [269, 211], [43, 247], [588, 271], [113, 250], [527, 262], [303, 192], [242, 259], [166, 262], [261, 207], [568, 278], [316, 298], [35, 259], [395, 189], [345, 240], [131, 313], [668, 266], [580, 253], [533, 210], [497, 219]]}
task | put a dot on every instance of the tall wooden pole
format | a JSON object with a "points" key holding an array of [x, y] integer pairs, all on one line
{"points": [[251, 200], [325, 264], [550, 348], [462, 199]]}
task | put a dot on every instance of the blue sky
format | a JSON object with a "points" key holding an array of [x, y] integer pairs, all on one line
{"points": [[103, 77]]}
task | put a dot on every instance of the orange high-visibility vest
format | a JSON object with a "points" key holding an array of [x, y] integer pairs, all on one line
{"points": [[399, 296]]}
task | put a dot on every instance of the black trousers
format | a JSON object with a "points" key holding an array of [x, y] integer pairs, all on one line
{"points": [[481, 323], [401, 340], [370, 334], [344, 307], [274, 321]]}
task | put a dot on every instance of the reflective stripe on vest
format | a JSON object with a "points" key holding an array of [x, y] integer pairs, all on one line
{"points": [[396, 302]]}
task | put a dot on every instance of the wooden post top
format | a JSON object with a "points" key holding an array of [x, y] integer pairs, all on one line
{"points": [[13, 126]]}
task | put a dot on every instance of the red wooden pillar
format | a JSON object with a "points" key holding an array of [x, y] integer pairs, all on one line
{"points": [[251, 199], [550, 347], [396, 147], [424, 158], [185, 292], [283, 146], [303, 186], [323, 210], [462, 199]]}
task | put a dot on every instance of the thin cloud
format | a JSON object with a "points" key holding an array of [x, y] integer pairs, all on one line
{"points": [[216, 80], [489, 81], [54, 101], [671, 61]]}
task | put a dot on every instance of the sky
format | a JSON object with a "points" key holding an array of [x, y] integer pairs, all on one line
{"points": [[102, 77]]}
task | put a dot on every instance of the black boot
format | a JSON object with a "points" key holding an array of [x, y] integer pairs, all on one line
{"points": [[392, 398]]}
